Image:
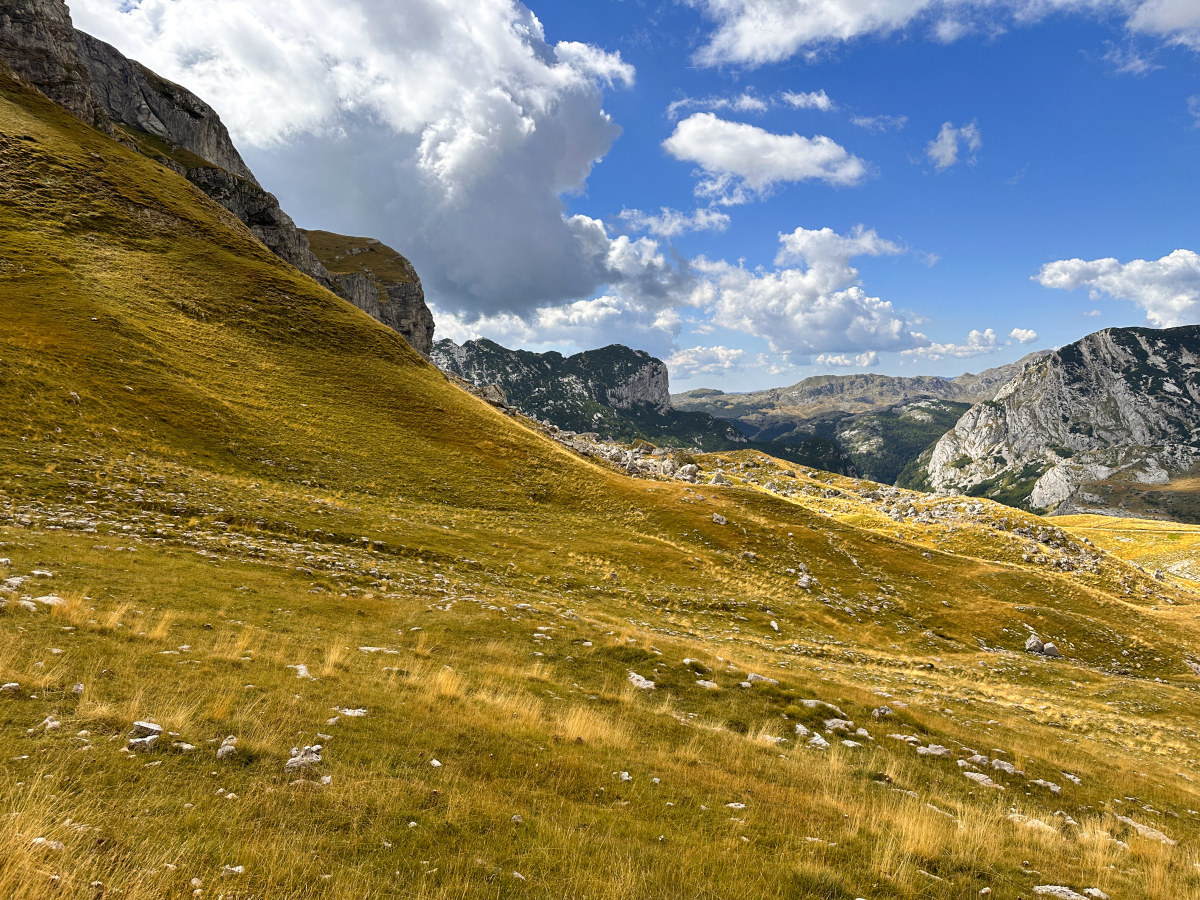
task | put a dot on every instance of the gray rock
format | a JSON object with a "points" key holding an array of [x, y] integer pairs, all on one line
{"points": [[818, 743], [37, 40], [719, 519], [935, 750], [135, 96], [1051, 651], [1058, 891], [881, 712], [228, 747], [720, 478], [1033, 645], [145, 729], [303, 758], [688, 471], [143, 744], [755, 678]]}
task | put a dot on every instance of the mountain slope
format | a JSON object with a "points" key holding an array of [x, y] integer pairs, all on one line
{"points": [[1111, 416], [237, 508]]}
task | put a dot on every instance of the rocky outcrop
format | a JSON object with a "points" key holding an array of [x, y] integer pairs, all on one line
{"points": [[1121, 405], [37, 41], [138, 98], [379, 281]]}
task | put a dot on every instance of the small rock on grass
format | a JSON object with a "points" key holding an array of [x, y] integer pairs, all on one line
{"points": [[228, 747], [145, 729], [42, 843], [642, 684]]}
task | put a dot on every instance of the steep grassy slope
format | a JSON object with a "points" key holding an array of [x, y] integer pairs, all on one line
{"points": [[224, 472]]}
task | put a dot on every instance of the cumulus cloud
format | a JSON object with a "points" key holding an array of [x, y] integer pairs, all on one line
{"points": [[450, 129], [1168, 289], [756, 32], [740, 162], [879, 123], [746, 101], [841, 360], [978, 343], [672, 223], [1023, 335], [943, 150], [818, 307], [1193, 104], [811, 100], [711, 361]]}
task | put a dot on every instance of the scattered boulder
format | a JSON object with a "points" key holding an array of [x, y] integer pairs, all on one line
{"points": [[755, 678], [982, 780], [143, 744], [720, 478], [642, 684], [719, 519], [145, 729], [818, 743], [1152, 834], [1051, 651], [688, 471], [1057, 891], [708, 685], [1033, 645], [935, 750], [303, 759], [228, 747], [881, 712], [1048, 785]]}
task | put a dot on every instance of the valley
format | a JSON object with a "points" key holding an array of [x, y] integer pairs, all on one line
{"points": [[285, 611]]}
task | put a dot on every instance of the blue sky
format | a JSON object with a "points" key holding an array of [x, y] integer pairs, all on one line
{"points": [[505, 149]]}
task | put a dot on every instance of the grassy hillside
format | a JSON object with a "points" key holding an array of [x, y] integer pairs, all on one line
{"points": [[213, 472]]}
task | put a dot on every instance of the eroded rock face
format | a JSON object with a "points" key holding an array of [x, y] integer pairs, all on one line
{"points": [[138, 98], [1122, 402], [37, 40], [379, 281]]}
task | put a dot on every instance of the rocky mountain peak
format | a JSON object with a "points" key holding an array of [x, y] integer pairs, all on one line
{"points": [[1121, 405]]}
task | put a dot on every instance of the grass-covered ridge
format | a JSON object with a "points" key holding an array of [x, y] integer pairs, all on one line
{"points": [[225, 472]]}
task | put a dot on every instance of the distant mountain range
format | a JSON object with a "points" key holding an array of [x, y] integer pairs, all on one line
{"points": [[616, 392]]}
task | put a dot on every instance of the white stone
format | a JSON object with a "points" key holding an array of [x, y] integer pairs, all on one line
{"points": [[642, 684], [708, 685], [1058, 891], [145, 729]]}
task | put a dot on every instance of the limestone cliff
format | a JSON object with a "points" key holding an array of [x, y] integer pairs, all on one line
{"points": [[379, 281], [1078, 428], [37, 41]]}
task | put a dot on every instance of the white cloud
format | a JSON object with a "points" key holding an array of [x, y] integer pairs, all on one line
{"points": [[1092, 312], [943, 150], [1193, 103], [811, 100], [742, 161], [819, 308], [1023, 335], [671, 222], [756, 32], [449, 129], [1127, 62], [879, 123], [978, 343], [841, 360], [746, 101], [1168, 289], [712, 361]]}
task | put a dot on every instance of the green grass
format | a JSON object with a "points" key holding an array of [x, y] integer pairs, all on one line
{"points": [[256, 475]]}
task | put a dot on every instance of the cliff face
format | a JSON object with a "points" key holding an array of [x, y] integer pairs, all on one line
{"points": [[546, 384], [1119, 407], [140, 99], [37, 40], [379, 281]]}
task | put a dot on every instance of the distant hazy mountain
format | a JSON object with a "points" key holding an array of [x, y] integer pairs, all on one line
{"points": [[1109, 424], [882, 423]]}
